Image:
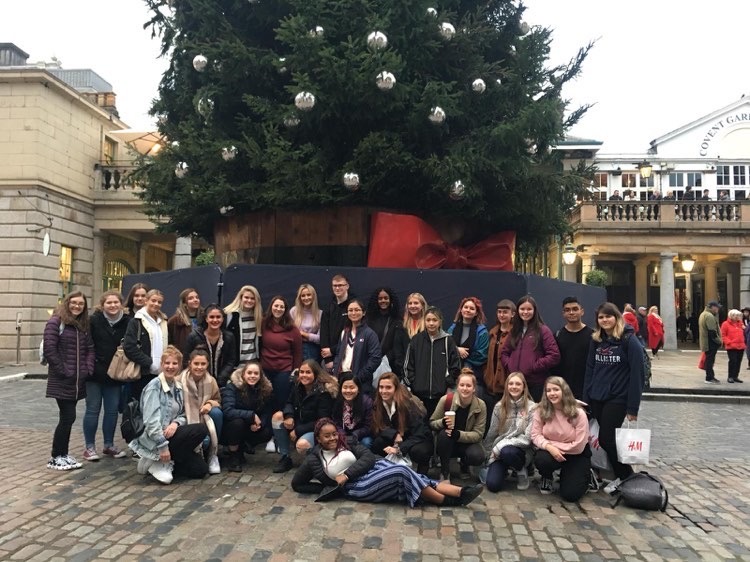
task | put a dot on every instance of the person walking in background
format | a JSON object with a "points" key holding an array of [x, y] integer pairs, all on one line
{"points": [[306, 316], [69, 352], [630, 317], [333, 318], [642, 325], [733, 337], [710, 339], [655, 330], [573, 341]]}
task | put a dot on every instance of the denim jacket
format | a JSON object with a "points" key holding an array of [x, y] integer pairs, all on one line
{"points": [[156, 407]]}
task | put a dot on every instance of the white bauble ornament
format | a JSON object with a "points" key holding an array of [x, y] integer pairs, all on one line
{"points": [[499, 82], [351, 181], [385, 80], [304, 101], [282, 67], [200, 62], [291, 121], [181, 169], [432, 12], [524, 28], [205, 107], [457, 191], [317, 31], [478, 86], [228, 153], [175, 144], [377, 40], [437, 115], [447, 31]]}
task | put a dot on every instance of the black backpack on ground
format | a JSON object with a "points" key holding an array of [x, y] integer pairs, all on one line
{"points": [[132, 426], [640, 490]]}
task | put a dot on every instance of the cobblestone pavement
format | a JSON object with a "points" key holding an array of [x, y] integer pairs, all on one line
{"points": [[107, 511]]}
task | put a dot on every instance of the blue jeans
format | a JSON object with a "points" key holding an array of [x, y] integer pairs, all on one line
{"points": [[282, 384], [310, 351], [217, 416], [510, 457], [96, 395], [283, 442]]}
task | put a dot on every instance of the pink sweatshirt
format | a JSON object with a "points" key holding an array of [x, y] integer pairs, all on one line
{"points": [[569, 437]]}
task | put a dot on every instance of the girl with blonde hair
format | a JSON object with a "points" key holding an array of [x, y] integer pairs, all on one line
{"points": [[414, 312], [306, 315], [244, 316]]}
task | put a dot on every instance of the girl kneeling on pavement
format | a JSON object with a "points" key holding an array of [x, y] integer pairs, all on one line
{"points": [[357, 474], [203, 403], [167, 444], [509, 436], [560, 431], [310, 399], [460, 433], [246, 402]]}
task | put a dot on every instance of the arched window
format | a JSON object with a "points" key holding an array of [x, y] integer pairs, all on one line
{"points": [[114, 271]]}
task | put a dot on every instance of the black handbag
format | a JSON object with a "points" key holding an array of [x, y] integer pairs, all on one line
{"points": [[642, 491], [132, 425]]}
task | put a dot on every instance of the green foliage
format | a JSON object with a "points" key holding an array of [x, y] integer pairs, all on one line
{"points": [[261, 55], [597, 278], [206, 257]]}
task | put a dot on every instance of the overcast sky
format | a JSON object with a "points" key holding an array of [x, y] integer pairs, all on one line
{"points": [[657, 65]]}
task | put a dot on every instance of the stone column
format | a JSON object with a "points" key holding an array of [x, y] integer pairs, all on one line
{"points": [[588, 262], [141, 257], [641, 282], [666, 294], [711, 290], [98, 266], [744, 280], [183, 252], [569, 273]]}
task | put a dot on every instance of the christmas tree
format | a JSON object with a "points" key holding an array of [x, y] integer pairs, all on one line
{"points": [[440, 108]]}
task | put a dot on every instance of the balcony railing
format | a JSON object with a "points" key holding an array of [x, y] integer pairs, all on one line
{"points": [[114, 176], [646, 214]]}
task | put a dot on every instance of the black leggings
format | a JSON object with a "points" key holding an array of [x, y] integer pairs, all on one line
{"points": [[610, 416], [448, 447], [182, 447], [237, 431], [61, 438], [575, 472]]}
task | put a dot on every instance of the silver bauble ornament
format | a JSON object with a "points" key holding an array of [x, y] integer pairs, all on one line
{"points": [[181, 169], [377, 40], [478, 86], [447, 31], [226, 210], [228, 153], [200, 62], [458, 190], [205, 107], [513, 50], [282, 65], [161, 120], [524, 28], [385, 80], [437, 115], [499, 82], [304, 101], [432, 12], [351, 181], [175, 144], [291, 121], [317, 31]]}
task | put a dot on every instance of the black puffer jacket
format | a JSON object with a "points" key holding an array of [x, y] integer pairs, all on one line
{"points": [[106, 339], [239, 401], [312, 468], [221, 362], [70, 359], [306, 409]]}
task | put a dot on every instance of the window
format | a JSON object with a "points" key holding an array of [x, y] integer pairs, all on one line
{"points": [[676, 179], [695, 179], [628, 180], [722, 175], [114, 271], [739, 175], [600, 179], [110, 150], [66, 269], [647, 182]]}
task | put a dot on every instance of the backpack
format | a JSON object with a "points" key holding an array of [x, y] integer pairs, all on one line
{"points": [[646, 363], [640, 490], [132, 425], [42, 358]]}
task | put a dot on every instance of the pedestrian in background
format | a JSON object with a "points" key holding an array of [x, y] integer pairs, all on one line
{"points": [[733, 337], [655, 330], [710, 339]]}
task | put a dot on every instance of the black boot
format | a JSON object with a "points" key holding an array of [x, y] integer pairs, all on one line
{"points": [[284, 465], [469, 494], [234, 463]]}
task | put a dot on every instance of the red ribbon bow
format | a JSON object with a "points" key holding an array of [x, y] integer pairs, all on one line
{"points": [[406, 241]]}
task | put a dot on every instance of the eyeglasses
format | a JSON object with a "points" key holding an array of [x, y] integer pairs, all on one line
{"points": [[339, 285], [77, 304]]}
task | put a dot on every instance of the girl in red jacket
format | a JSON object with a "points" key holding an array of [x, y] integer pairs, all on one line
{"points": [[655, 330], [733, 336]]}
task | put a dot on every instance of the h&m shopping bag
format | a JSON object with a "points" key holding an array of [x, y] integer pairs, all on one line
{"points": [[633, 444], [599, 458]]}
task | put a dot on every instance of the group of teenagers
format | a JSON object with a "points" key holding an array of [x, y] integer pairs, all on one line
{"points": [[372, 397]]}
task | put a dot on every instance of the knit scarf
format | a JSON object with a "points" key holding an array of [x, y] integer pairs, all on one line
{"points": [[196, 394], [458, 332], [114, 319]]}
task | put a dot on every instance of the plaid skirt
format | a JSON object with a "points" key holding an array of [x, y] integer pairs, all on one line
{"points": [[388, 482]]}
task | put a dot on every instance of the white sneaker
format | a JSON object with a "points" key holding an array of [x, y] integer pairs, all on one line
{"points": [[522, 479], [612, 486], [59, 463], [162, 471], [72, 461], [271, 446], [143, 465], [213, 465]]}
